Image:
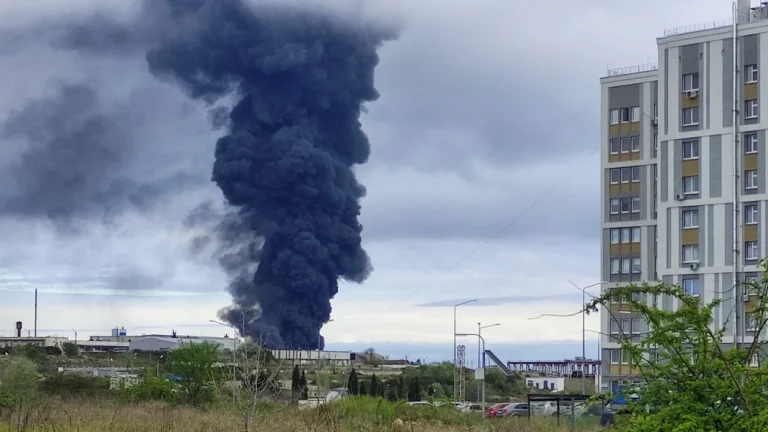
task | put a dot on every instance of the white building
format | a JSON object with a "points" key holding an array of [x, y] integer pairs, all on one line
{"points": [[302, 357]]}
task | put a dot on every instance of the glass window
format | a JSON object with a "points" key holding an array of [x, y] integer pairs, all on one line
{"points": [[750, 179], [625, 145], [614, 206], [615, 173], [750, 143], [615, 266], [626, 175], [690, 218], [626, 205], [691, 149], [614, 116], [624, 357], [635, 204], [690, 253], [637, 326], [635, 143], [626, 325], [691, 287], [636, 267], [625, 235], [690, 116], [752, 249], [635, 114], [636, 235], [624, 115], [751, 109], [614, 327], [636, 174], [690, 82], [615, 146], [751, 74], [751, 215], [615, 356], [614, 236], [691, 185]]}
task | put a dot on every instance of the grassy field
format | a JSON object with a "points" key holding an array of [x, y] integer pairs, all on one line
{"points": [[365, 414]]}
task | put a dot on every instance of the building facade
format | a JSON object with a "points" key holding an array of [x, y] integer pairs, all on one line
{"points": [[683, 186]]}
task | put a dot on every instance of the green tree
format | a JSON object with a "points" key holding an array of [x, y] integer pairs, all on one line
{"points": [[689, 380], [71, 350], [352, 384], [19, 391], [414, 390], [364, 391], [374, 388], [192, 364], [304, 386], [296, 383]]}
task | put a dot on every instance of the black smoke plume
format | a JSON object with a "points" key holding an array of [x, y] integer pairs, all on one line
{"points": [[299, 78], [285, 162]]}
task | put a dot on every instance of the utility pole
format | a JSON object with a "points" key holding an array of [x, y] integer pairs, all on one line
{"points": [[456, 370]]}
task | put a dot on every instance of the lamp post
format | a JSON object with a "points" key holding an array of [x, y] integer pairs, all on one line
{"points": [[75, 335], [481, 356], [583, 332], [455, 376], [482, 402]]}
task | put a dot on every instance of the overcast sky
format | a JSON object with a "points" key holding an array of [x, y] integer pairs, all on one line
{"points": [[488, 117]]}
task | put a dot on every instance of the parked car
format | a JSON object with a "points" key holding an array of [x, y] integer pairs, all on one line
{"points": [[543, 408], [419, 403], [494, 409], [471, 408], [513, 410]]}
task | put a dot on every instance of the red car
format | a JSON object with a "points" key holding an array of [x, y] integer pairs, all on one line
{"points": [[494, 410]]}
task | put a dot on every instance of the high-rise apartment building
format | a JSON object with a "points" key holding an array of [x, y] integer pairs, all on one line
{"points": [[683, 175]]}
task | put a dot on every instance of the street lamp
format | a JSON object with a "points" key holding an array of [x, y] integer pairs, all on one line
{"points": [[481, 356], [583, 332], [455, 380], [75, 335], [483, 388]]}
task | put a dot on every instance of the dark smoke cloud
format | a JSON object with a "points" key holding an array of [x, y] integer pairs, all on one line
{"points": [[299, 77], [74, 155]]}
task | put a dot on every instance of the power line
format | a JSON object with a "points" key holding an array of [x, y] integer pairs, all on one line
{"points": [[502, 229]]}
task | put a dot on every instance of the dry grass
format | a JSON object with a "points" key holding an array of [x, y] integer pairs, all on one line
{"points": [[114, 416]]}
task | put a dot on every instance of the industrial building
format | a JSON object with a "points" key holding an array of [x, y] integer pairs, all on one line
{"points": [[683, 176]]}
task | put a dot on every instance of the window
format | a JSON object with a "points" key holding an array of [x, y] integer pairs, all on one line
{"points": [[750, 143], [752, 283], [755, 361], [626, 204], [615, 173], [614, 116], [624, 115], [635, 204], [625, 265], [691, 185], [690, 149], [635, 144], [615, 356], [636, 265], [690, 116], [615, 146], [636, 326], [626, 325], [655, 110], [635, 174], [751, 74], [691, 287], [636, 235], [690, 82], [614, 206], [635, 114], [626, 234], [614, 236], [614, 327], [751, 109], [625, 145], [751, 321], [655, 143], [752, 249], [750, 179], [690, 253], [624, 357], [690, 218], [615, 266], [626, 175], [751, 215]]}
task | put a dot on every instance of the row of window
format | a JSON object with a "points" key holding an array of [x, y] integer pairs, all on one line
{"points": [[625, 235], [691, 252], [691, 81], [625, 205], [628, 326], [619, 356], [691, 149], [625, 145], [691, 115], [625, 175], [625, 266], [691, 183], [625, 115]]}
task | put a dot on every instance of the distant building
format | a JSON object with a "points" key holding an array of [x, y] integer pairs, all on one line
{"points": [[168, 343], [555, 384], [303, 357], [44, 341]]}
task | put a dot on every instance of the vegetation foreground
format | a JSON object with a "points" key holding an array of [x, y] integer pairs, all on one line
{"points": [[355, 414]]}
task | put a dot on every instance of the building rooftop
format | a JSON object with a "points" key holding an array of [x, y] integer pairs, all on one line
{"points": [[648, 67]]}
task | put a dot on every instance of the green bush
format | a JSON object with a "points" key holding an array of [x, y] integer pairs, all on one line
{"points": [[75, 385], [152, 389]]}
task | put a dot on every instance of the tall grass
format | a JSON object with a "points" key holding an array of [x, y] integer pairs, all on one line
{"points": [[350, 415]]}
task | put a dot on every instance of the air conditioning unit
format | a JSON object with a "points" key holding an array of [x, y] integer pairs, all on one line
{"points": [[680, 197], [745, 297], [692, 94], [694, 266]]}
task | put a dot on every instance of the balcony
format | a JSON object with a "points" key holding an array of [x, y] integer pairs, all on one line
{"points": [[649, 67]]}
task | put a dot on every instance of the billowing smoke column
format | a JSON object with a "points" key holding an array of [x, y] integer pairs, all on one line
{"points": [[300, 78]]}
